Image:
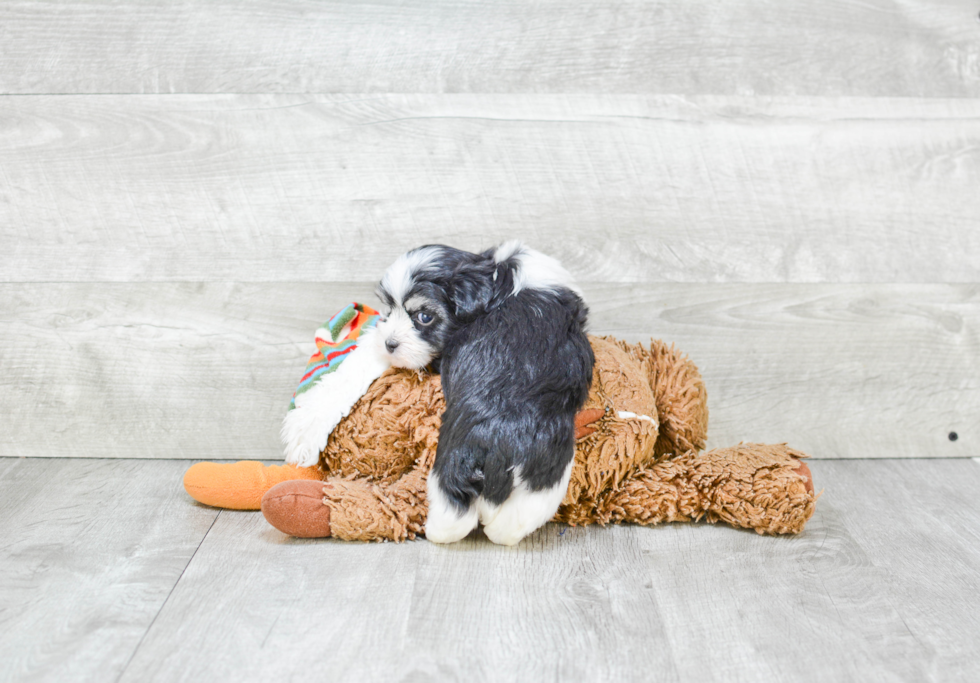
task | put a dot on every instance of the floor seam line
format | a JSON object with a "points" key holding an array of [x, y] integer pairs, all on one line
{"points": [[167, 599]]}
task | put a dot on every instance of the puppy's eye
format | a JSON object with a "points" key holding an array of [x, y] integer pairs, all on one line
{"points": [[423, 318]]}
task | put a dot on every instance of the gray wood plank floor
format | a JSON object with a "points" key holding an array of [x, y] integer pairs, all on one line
{"points": [[111, 572], [90, 551], [205, 370]]}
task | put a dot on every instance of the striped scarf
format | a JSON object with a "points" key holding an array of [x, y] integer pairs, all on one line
{"points": [[334, 340]]}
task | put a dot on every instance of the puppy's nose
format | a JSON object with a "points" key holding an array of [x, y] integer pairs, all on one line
{"points": [[391, 345]]}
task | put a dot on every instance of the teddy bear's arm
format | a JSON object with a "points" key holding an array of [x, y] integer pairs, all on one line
{"points": [[307, 427]]}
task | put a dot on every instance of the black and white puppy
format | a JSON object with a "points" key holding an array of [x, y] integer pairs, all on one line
{"points": [[506, 330]]}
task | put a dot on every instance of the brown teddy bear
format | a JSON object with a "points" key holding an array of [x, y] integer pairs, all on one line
{"points": [[638, 459]]}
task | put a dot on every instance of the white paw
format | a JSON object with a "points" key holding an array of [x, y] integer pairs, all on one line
{"points": [[507, 535], [444, 523], [524, 511], [307, 427], [304, 434]]}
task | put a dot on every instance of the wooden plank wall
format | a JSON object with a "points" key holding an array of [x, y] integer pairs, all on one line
{"points": [[904, 48], [786, 190]]}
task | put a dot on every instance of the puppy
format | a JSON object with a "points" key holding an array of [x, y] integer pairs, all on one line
{"points": [[506, 330]]}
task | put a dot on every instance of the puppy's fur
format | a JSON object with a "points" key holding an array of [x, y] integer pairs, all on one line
{"points": [[506, 329]]}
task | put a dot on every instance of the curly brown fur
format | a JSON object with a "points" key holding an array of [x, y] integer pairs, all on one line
{"points": [[628, 470]]}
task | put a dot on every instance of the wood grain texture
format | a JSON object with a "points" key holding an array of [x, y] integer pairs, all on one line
{"points": [[878, 587], [839, 371], [920, 525], [882, 47], [206, 370], [556, 608], [91, 551], [620, 188]]}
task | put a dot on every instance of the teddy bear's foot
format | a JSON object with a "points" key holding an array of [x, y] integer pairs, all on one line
{"points": [[765, 487], [296, 508], [804, 471]]}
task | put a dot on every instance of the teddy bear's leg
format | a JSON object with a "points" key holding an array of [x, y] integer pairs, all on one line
{"points": [[349, 509], [754, 486], [663, 492], [365, 511]]}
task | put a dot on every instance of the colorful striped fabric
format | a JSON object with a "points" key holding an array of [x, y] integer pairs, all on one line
{"points": [[334, 340]]}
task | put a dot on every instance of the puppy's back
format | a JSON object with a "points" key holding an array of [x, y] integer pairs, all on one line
{"points": [[513, 381]]}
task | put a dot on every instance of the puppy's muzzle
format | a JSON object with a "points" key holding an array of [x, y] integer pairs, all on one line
{"points": [[391, 345]]}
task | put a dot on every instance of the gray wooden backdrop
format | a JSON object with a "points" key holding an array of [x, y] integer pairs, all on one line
{"points": [[788, 190]]}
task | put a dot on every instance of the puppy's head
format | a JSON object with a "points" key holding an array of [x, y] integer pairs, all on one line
{"points": [[428, 293]]}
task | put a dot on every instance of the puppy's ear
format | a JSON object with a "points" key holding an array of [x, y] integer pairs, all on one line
{"points": [[471, 289]]}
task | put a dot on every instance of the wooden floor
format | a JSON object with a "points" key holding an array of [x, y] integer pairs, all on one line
{"points": [[110, 572]]}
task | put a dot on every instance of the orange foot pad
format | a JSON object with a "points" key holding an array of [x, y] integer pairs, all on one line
{"points": [[296, 508]]}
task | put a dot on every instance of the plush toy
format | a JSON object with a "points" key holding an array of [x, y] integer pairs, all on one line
{"points": [[638, 460]]}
